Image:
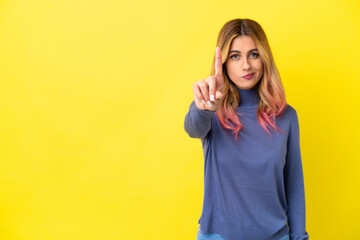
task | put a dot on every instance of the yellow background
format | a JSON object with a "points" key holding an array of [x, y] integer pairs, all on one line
{"points": [[94, 95]]}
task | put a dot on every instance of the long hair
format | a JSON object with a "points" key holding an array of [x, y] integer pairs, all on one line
{"points": [[270, 89]]}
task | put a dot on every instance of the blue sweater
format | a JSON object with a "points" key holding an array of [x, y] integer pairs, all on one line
{"points": [[253, 188]]}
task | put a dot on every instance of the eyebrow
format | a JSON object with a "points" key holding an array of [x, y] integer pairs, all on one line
{"points": [[255, 49]]}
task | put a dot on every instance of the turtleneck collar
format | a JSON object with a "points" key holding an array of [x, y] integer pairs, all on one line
{"points": [[249, 97]]}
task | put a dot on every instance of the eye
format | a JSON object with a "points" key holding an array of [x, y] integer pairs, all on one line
{"points": [[234, 56], [256, 55]]}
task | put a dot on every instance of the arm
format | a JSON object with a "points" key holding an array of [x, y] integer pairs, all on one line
{"points": [[197, 122], [294, 184]]}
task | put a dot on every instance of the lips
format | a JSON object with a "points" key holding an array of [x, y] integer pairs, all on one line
{"points": [[249, 76]]}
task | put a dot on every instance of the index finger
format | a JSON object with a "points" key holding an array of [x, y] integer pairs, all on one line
{"points": [[218, 67]]}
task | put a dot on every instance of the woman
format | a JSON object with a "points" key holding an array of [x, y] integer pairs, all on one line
{"points": [[253, 178]]}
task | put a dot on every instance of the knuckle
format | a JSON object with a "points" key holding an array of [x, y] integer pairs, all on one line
{"points": [[202, 84]]}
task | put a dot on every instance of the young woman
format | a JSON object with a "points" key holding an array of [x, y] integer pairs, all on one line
{"points": [[253, 177]]}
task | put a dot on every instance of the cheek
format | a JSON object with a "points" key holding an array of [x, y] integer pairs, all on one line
{"points": [[259, 65], [231, 68]]}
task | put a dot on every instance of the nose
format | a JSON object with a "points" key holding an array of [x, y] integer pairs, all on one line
{"points": [[246, 64]]}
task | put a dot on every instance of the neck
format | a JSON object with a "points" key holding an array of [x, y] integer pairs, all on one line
{"points": [[249, 97]]}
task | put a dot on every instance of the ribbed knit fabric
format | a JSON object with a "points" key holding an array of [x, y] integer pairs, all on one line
{"points": [[253, 187]]}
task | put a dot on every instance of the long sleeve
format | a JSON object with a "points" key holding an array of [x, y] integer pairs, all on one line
{"points": [[294, 184], [197, 122]]}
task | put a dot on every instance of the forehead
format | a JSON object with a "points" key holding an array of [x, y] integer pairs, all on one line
{"points": [[243, 43]]}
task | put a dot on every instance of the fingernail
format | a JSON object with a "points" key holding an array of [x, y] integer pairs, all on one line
{"points": [[209, 103], [212, 98], [202, 101]]}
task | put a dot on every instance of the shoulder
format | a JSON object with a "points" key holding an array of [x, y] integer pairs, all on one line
{"points": [[292, 116], [290, 112], [289, 117]]}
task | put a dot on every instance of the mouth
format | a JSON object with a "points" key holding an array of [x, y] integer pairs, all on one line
{"points": [[249, 76]]}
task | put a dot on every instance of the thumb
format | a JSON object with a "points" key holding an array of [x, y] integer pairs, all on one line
{"points": [[218, 95]]}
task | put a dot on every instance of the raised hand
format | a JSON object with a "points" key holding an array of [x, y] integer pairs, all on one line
{"points": [[208, 92]]}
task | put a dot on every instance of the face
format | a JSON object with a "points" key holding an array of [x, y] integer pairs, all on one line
{"points": [[244, 58]]}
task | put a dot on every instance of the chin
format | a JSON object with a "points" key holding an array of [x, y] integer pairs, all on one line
{"points": [[247, 86]]}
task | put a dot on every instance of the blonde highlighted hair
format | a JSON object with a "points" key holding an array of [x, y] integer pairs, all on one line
{"points": [[271, 91]]}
